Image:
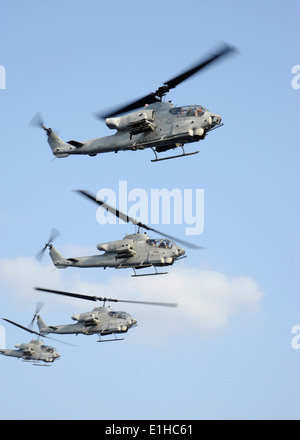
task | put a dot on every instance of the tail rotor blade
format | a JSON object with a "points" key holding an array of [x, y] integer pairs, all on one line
{"points": [[37, 121], [38, 308], [53, 236]]}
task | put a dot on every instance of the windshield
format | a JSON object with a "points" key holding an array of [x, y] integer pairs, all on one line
{"points": [[195, 110], [165, 244], [119, 315], [47, 348]]}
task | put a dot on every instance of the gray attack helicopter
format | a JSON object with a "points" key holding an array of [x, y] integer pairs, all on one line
{"points": [[158, 125], [34, 351], [101, 321], [135, 251]]}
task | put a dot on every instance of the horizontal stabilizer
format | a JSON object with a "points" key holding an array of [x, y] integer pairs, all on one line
{"points": [[73, 260], [76, 144]]}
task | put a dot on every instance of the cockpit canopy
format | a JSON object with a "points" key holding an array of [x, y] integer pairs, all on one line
{"points": [[119, 315], [188, 110], [48, 349], [164, 244]]}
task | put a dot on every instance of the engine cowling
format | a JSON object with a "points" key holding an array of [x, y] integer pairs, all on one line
{"points": [[138, 121], [117, 245], [90, 318]]}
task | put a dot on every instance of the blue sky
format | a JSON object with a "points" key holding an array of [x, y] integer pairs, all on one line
{"points": [[226, 351]]}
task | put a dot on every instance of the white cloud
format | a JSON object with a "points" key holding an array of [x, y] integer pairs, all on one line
{"points": [[206, 299], [19, 275]]}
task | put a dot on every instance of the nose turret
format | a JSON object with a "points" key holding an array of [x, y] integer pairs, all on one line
{"points": [[216, 119], [212, 120], [179, 252], [133, 322]]}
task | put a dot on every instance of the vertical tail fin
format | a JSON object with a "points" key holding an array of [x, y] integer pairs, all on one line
{"points": [[58, 260], [58, 146], [42, 325]]}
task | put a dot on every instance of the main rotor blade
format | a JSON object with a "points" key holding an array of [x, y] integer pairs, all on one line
{"points": [[109, 208], [99, 298], [223, 50], [37, 333], [70, 294], [59, 341], [22, 327], [157, 96], [128, 219], [148, 99], [171, 237], [147, 303]]}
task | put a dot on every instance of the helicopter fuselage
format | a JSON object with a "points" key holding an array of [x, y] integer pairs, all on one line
{"points": [[133, 251], [102, 321], [159, 126], [33, 351]]}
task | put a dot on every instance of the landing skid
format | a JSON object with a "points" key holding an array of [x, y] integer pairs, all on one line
{"points": [[110, 340], [147, 274], [37, 363], [41, 365], [172, 157]]}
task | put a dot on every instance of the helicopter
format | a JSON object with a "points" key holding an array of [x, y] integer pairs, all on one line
{"points": [[35, 351], [101, 320], [156, 124], [136, 251]]}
